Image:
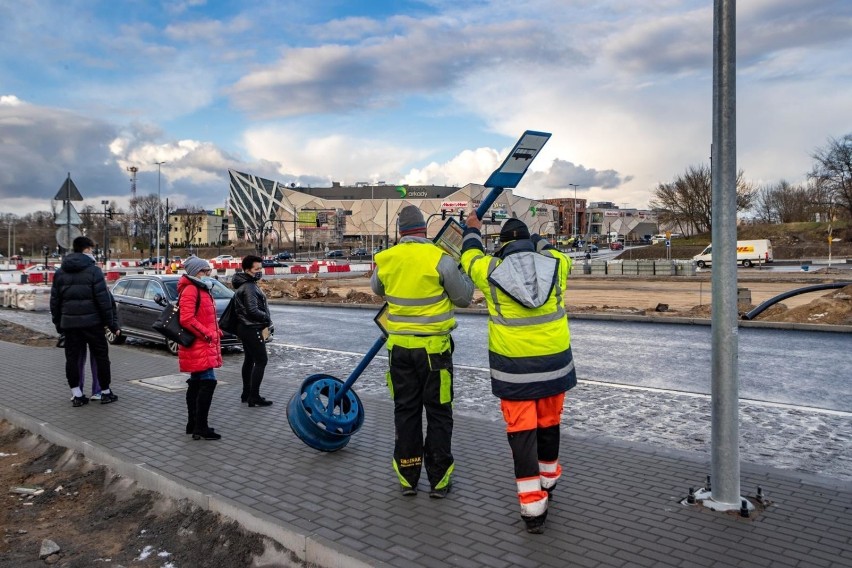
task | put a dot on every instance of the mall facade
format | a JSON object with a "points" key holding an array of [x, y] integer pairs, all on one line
{"points": [[288, 217]]}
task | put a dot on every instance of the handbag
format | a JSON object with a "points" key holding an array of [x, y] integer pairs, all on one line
{"points": [[229, 320], [168, 324]]}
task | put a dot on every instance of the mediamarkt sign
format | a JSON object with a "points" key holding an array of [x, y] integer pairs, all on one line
{"points": [[454, 205]]}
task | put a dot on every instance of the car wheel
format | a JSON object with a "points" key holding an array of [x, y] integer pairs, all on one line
{"points": [[747, 263], [114, 339], [701, 264], [172, 346]]}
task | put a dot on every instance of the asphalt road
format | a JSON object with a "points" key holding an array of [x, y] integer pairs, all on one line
{"points": [[790, 367]]}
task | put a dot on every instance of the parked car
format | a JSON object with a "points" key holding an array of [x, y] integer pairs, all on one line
{"points": [[616, 246], [284, 255], [153, 261], [592, 248], [271, 263], [16, 257], [334, 254], [223, 258], [39, 268], [140, 298], [359, 253]]}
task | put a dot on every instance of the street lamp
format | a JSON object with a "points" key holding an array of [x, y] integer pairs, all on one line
{"points": [[105, 203], [576, 231], [159, 215]]}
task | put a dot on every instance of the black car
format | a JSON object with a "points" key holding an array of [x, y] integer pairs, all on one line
{"points": [[140, 298], [284, 255], [334, 254], [359, 253], [271, 263]]}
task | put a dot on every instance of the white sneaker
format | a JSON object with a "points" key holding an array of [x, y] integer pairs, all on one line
{"points": [[95, 397]]}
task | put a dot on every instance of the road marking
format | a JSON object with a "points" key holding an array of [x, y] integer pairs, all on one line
{"points": [[764, 403]]}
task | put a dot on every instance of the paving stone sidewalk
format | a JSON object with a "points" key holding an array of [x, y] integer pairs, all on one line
{"points": [[617, 504]]}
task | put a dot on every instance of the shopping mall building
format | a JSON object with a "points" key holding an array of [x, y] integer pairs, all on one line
{"points": [[289, 217]]}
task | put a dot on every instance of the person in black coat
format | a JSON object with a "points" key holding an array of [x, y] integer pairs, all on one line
{"points": [[253, 328], [81, 307]]}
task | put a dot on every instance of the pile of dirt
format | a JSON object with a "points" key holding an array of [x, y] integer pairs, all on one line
{"points": [[96, 517], [301, 289], [15, 333]]}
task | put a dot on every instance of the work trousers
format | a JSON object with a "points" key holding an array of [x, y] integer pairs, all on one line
{"points": [[76, 341], [532, 427], [418, 380]]}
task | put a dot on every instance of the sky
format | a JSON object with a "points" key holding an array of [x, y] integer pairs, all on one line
{"points": [[404, 91]]}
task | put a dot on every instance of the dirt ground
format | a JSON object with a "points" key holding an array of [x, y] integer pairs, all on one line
{"points": [[100, 519]]}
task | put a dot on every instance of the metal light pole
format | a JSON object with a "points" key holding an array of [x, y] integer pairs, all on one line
{"points": [[159, 215], [575, 231], [725, 457], [104, 202]]}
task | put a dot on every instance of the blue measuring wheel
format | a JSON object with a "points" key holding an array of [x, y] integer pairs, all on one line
{"points": [[323, 415]]}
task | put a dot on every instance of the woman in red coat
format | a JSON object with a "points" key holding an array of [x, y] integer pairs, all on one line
{"points": [[205, 354]]}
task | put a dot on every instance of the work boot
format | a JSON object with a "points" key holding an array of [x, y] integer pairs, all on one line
{"points": [[535, 525], [440, 493], [408, 491], [202, 408]]}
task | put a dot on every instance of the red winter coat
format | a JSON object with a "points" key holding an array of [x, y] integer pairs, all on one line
{"points": [[205, 352]]}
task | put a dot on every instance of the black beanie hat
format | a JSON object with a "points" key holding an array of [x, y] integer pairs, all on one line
{"points": [[512, 230]]}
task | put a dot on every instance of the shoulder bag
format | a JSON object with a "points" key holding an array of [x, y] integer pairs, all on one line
{"points": [[168, 324]]}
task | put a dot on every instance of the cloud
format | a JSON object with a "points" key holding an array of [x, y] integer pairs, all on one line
{"points": [[431, 55], [40, 145]]}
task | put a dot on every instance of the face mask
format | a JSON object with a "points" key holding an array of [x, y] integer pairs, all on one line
{"points": [[90, 255], [258, 276]]}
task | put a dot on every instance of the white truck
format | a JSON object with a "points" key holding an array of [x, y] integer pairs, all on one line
{"points": [[749, 253]]}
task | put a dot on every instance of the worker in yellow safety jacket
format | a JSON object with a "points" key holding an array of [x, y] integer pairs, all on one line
{"points": [[529, 351], [421, 284]]}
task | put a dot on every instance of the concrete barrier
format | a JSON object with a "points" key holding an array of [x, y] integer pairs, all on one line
{"points": [[664, 268], [630, 267]]}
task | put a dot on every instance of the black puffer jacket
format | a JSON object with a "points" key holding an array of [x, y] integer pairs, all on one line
{"points": [[79, 296], [252, 309]]}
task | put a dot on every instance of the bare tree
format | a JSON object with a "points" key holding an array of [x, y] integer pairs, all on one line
{"points": [[147, 209], [191, 218], [833, 171], [687, 201]]}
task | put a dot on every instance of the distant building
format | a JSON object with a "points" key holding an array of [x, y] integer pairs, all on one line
{"points": [[285, 215], [604, 218], [571, 215], [197, 228]]}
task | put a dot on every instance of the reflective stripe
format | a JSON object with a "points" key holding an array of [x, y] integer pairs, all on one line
{"points": [[535, 508], [420, 319], [495, 300], [548, 482], [529, 484], [415, 301], [531, 377], [534, 320], [472, 237], [548, 467]]}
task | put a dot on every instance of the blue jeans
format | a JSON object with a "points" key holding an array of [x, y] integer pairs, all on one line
{"points": [[203, 375]]}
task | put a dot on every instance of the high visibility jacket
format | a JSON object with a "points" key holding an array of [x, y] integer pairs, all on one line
{"points": [[529, 343], [418, 303]]}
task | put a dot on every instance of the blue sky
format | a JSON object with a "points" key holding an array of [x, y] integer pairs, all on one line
{"points": [[404, 92]]}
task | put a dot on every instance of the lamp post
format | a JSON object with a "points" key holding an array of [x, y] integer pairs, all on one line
{"points": [[159, 214], [576, 230], [104, 249]]}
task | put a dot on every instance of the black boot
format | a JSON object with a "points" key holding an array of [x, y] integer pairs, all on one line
{"points": [[244, 396], [191, 403], [254, 398], [202, 409]]}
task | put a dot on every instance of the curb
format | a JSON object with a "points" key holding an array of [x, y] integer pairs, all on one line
{"points": [[312, 550]]}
